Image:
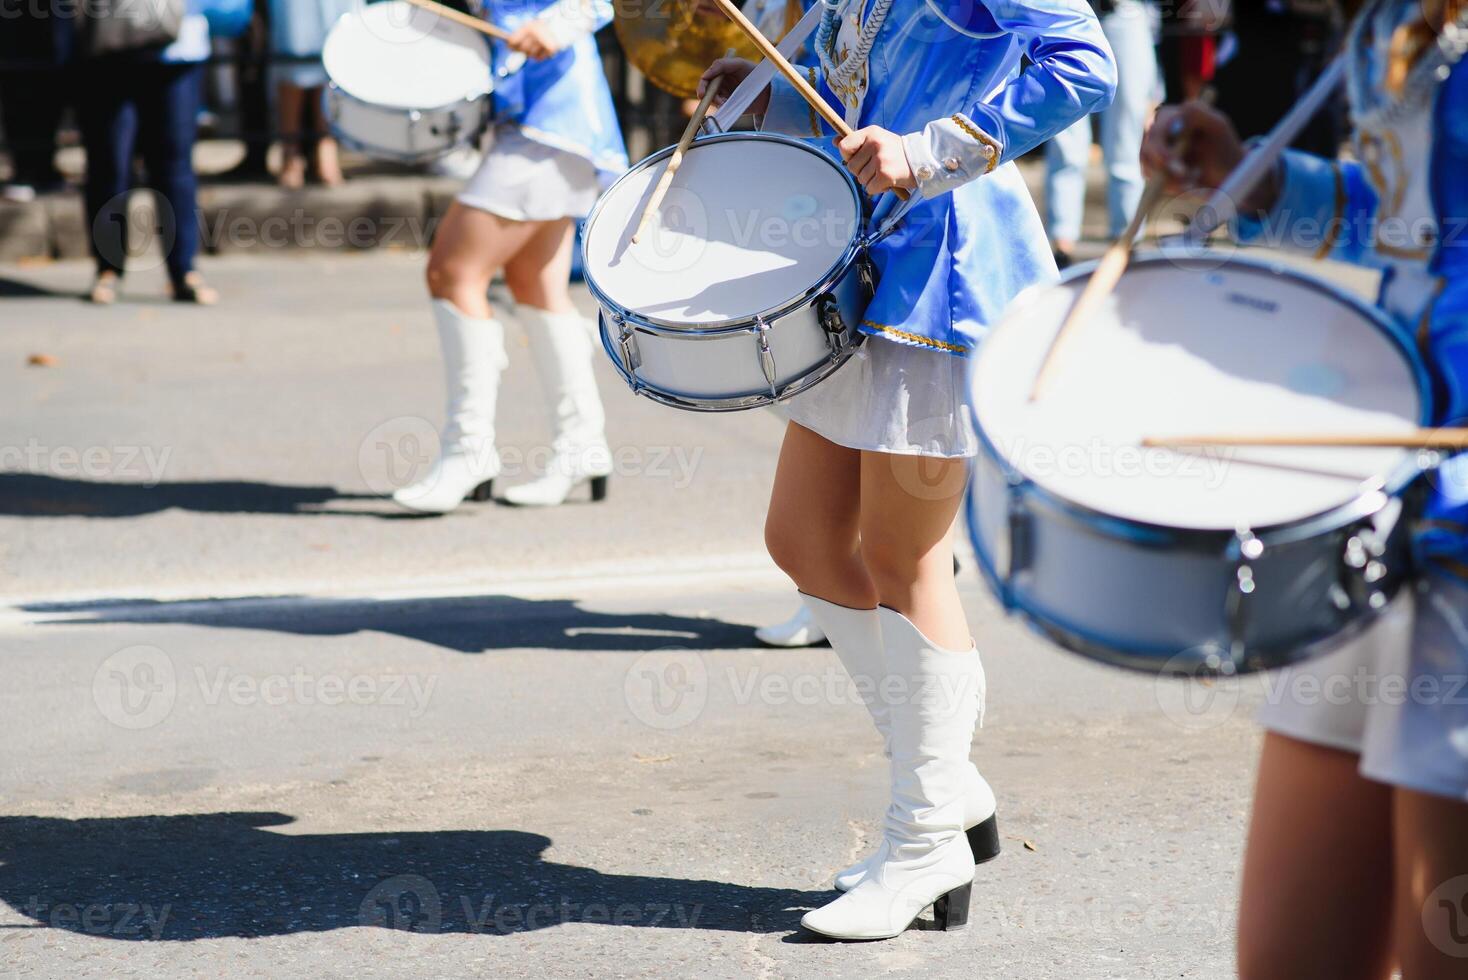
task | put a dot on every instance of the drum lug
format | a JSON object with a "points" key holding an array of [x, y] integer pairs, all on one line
{"points": [[866, 274], [1020, 526], [627, 347], [1247, 549], [766, 356], [838, 335]]}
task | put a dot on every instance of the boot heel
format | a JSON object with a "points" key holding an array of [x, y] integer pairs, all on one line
{"points": [[483, 493], [951, 911], [983, 838], [598, 489]]}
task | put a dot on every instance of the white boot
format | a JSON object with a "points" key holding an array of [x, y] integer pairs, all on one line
{"points": [[924, 858], [563, 348], [856, 636], [473, 359], [800, 630]]}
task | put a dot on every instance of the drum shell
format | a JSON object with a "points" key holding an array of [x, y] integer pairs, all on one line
{"points": [[1170, 601], [718, 367], [404, 135]]}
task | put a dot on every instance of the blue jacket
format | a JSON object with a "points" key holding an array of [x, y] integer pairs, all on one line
{"points": [[951, 77], [563, 101], [1402, 207]]}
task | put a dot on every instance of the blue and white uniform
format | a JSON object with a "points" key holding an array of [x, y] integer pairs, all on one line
{"points": [[556, 143], [970, 86], [1400, 697]]}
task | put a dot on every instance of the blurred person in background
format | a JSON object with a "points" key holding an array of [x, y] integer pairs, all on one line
{"points": [[554, 146], [1130, 27], [35, 51], [145, 99], [298, 29], [1270, 53]]}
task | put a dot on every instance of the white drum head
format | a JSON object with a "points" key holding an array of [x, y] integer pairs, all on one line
{"points": [[1192, 351], [403, 57], [750, 223]]}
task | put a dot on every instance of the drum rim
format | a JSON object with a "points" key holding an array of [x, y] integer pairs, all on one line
{"points": [[1210, 540], [338, 86], [839, 268]]}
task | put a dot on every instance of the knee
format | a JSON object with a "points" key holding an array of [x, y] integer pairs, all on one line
{"points": [[446, 276], [526, 287], [893, 563], [808, 559]]}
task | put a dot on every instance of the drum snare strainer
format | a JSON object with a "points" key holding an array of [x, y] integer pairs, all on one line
{"points": [[1221, 559], [751, 287]]}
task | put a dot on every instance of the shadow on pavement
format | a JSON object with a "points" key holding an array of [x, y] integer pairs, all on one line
{"points": [[20, 289], [475, 624], [42, 495], [204, 876]]}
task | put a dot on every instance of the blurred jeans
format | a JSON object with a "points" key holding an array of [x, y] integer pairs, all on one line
{"points": [[152, 107], [1129, 29]]}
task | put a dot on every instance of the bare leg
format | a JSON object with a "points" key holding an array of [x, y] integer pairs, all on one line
{"points": [[290, 106], [812, 527], [908, 504], [468, 249], [1317, 882], [539, 274], [1430, 930]]}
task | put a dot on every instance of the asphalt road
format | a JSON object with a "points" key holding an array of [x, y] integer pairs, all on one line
{"points": [[254, 723]]}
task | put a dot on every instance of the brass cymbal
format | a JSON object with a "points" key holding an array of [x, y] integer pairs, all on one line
{"points": [[672, 43]]}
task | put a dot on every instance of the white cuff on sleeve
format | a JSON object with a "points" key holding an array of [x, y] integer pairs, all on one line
{"points": [[949, 152]]}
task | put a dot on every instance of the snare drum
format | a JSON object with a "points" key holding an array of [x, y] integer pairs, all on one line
{"points": [[750, 285], [1203, 560], [406, 85]]}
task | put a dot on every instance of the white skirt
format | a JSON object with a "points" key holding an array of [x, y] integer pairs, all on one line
{"points": [[523, 180], [893, 398], [1397, 696]]}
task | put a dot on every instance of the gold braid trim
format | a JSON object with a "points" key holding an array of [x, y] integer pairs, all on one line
{"points": [[981, 137], [918, 339], [1338, 219]]}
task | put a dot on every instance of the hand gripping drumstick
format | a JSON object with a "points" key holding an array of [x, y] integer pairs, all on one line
{"points": [[1413, 439], [676, 160], [792, 75], [473, 23]]}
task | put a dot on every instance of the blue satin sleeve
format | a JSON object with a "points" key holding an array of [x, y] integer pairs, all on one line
{"points": [[1070, 72], [1326, 208]]}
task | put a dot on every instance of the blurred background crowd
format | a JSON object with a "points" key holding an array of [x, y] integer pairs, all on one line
{"points": [[246, 76]]}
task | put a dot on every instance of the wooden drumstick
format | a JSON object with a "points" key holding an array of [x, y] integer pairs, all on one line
{"points": [[1109, 270], [459, 17], [1413, 439], [792, 75], [676, 160], [1108, 273]]}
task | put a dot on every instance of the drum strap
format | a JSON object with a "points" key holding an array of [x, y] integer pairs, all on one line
{"points": [[764, 73]]}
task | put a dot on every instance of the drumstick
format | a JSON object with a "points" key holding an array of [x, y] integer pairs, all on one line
{"points": [[1103, 281], [792, 75], [676, 160], [1413, 439], [458, 17]]}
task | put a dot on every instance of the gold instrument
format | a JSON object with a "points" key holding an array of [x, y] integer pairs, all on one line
{"points": [[673, 42]]}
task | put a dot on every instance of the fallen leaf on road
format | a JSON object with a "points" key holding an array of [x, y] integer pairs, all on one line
{"points": [[652, 758], [1030, 846], [41, 360]]}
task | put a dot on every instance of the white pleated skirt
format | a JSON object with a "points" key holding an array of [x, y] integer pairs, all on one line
{"points": [[893, 398], [523, 180]]}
